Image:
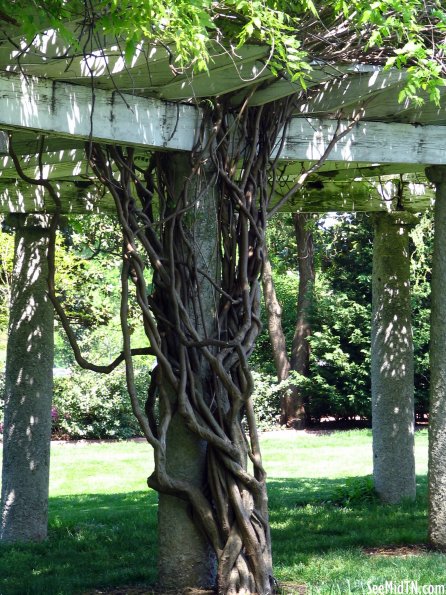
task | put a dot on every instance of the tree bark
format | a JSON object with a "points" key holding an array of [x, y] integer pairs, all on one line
{"points": [[28, 388], [204, 240], [392, 360], [275, 330], [186, 557], [437, 411], [300, 351], [292, 404]]}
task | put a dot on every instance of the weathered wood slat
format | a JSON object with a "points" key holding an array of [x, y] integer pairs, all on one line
{"points": [[77, 111], [372, 142], [361, 196], [66, 110], [354, 89], [343, 196], [19, 197], [55, 164]]}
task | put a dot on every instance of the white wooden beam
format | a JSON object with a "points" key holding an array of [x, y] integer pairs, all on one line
{"points": [[370, 142], [74, 111], [51, 165], [76, 198], [317, 197], [361, 196], [351, 170]]}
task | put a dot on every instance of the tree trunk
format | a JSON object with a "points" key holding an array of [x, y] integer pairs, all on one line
{"points": [[204, 240], [28, 387], [289, 398], [437, 412], [392, 360], [275, 330], [292, 402], [300, 352]]}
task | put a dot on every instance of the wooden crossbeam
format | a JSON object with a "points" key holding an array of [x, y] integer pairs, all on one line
{"points": [[76, 112], [355, 89], [361, 196], [370, 142], [79, 112]]}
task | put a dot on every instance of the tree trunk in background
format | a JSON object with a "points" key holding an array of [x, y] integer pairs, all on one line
{"points": [[278, 343], [392, 360], [292, 403], [300, 352], [275, 330], [437, 412], [28, 388]]}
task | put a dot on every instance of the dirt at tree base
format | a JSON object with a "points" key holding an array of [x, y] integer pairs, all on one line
{"points": [[145, 590], [284, 589], [416, 549]]}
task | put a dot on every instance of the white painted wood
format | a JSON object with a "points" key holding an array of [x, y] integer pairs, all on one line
{"points": [[339, 170], [360, 196], [340, 196], [63, 163], [350, 170], [19, 197], [338, 93], [65, 109], [27, 142], [384, 106], [372, 142]]}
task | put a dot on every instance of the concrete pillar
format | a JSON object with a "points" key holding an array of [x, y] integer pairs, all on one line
{"points": [[392, 360], [185, 557], [28, 387], [437, 409]]}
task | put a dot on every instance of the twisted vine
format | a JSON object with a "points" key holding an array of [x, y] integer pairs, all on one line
{"points": [[203, 371], [202, 319]]}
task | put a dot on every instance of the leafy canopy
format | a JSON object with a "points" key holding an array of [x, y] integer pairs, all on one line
{"points": [[186, 26], [415, 31], [407, 34]]}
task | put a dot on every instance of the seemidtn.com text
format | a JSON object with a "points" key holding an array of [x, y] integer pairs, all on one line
{"points": [[404, 587]]}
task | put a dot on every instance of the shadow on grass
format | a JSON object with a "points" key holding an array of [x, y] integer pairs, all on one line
{"points": [[110, 540], [311, 516], [94, 540]]}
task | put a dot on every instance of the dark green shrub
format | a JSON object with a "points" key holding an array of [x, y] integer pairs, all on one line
{"points": [[266, 399], [356, 490], [90, 405]]}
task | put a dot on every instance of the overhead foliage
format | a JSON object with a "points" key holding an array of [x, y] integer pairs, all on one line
{"points": [[184, 27], [414, 30], [409, 35]]}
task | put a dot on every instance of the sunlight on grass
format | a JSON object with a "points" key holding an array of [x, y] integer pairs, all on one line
{"points": [[323, 514], [99, 468]]}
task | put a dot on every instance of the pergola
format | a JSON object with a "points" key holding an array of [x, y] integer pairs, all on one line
{"points": [[51, 105]]}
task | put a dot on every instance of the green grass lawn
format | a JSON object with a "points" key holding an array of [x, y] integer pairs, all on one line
{"points": [[323, 515]]}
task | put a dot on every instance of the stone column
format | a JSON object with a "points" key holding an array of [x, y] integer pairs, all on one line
{"points": [[437, 409], [28, 387], [392, 360]]}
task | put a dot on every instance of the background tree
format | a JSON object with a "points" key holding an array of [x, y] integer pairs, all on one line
{"points": [[338, 385], [292, 401]]}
